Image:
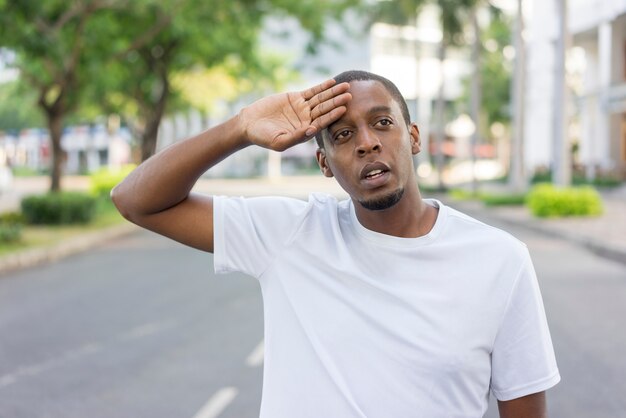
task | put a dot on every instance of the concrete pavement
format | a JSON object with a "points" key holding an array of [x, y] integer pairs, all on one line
{"points": [[605, 235]]}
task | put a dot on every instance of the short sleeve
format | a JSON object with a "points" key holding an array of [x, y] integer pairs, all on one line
{"points": [[249, 232], [522, 360]]}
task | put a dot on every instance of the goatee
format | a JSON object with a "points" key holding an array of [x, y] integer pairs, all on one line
{"points": [[384, 202]]}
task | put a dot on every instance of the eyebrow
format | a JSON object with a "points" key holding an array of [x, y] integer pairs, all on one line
{"points": [[370, 111], [378, 109]]}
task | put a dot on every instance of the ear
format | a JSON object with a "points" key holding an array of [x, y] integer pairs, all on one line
{"points": [[320, 154], [416, 140]]}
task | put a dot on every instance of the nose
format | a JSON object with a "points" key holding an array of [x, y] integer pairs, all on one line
{"points": [[367, 142]]}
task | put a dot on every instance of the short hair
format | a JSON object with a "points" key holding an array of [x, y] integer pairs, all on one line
{"points": [[358, 75]]}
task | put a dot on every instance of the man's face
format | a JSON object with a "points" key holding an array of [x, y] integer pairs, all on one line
{"points": [[369, 149]]}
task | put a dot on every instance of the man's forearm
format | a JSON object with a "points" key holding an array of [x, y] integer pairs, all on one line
{"points": [[166, 179]]}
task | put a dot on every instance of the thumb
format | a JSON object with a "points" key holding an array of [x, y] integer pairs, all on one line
{"points": [[310, 131]]}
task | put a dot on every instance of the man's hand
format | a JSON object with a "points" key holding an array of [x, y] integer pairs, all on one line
{"points": [[157, 194], [283, 120]]}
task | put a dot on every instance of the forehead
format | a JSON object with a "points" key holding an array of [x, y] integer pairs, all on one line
{"points": [[367, 94]]}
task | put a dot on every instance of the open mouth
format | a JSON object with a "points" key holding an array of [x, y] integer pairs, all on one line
{"points": [[374, 170], [375, 174]]}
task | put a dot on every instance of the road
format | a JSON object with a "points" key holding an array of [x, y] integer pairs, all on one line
{"points": [[141, 327], [138, 328]]}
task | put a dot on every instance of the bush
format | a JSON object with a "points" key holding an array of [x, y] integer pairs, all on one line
{"points": [[462, 194], [59, 208], [545, 200], [103, 180], [489, 199], [503, 199], [11, 224]]}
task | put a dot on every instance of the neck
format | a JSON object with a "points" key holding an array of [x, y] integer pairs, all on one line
{"points": [[411, 217]]}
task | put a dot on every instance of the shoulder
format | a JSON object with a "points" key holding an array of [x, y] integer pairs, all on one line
{"points": [[278, 205]]}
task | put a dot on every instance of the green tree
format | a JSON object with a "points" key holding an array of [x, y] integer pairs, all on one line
{"points": [[70, 51], [201, 34], [17, 107], [56, 43], [495, 68]]}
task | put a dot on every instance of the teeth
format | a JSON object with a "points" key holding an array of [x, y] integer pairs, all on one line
{"points": [[373, 173]]}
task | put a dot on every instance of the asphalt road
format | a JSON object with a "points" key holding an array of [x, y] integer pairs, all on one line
{"points": [[141, 327]]}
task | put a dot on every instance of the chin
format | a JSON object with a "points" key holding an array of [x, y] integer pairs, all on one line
{"points": [[383, 202]]}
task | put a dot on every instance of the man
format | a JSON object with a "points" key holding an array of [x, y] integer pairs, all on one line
{"points": [[383, 305]]}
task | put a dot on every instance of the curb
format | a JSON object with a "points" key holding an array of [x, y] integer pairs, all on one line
{"points": [[74, 245]]}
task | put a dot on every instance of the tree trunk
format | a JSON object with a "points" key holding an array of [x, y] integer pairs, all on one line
{"points": [[153, 120], [475, 99], [439, 119], [55, 127]]}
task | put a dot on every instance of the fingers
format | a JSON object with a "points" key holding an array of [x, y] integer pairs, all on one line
{"points": [[309, 93], [330, 104], [326, 119], [327, 102], [327, 94]]}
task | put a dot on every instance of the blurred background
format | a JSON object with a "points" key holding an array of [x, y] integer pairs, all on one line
{"points": [[521, 106]]}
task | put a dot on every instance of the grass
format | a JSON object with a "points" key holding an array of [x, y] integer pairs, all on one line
{"points": [[37, 236], [489, 199]]}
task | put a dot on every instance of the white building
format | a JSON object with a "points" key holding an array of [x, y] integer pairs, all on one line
{"points": [[597, 81]]}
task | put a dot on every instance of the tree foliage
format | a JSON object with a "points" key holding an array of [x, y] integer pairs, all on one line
{"points": [[53, 41], [17, 107], [495, 70], [123, 54], [201, 34]]}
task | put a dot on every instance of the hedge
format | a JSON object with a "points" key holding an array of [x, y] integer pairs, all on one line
{"points": [[503, 199], [59, 208], [11, 224], [546, 200], [103, 180]]}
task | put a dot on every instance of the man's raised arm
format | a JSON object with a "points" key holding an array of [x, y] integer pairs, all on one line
{"points": [[157, 195]]}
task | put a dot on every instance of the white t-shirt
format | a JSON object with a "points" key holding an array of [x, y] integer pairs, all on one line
{"points": [[362, 324]]}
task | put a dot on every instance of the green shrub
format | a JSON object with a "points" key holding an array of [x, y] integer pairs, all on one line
{"points": [[503, 199], [546, 200], [59, 208], [489, 199], [11, 224], [462, 194], [103, 180]]}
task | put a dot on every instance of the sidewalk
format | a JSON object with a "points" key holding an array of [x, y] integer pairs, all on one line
{"points": [[605, 235]]}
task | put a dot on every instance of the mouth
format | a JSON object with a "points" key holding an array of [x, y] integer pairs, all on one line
{"points": [[375, 174]]}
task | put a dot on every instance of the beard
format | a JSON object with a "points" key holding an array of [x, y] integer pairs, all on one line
{"points": [[384, 202]]}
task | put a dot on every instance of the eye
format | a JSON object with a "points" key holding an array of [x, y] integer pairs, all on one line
{"points": [[384, 122], [342, 135]]}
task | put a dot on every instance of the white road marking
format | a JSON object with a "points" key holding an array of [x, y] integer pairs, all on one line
{"points": [[35, 369], [146, 330], [135, 333], [217, 403], [255, 358]]}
